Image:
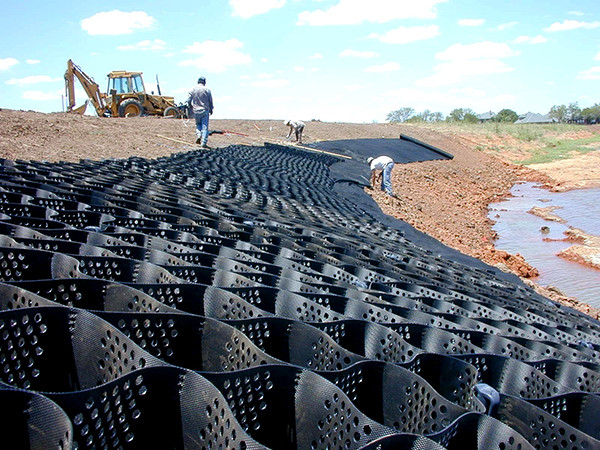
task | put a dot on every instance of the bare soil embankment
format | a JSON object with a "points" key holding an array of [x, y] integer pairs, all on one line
{"points": [[445, 199]]}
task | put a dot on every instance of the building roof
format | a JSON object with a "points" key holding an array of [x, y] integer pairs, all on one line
{"points": [[531, 117], [486, 115]]}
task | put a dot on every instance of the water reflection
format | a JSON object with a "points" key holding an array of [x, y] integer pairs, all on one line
{"points": [[520, 232]]}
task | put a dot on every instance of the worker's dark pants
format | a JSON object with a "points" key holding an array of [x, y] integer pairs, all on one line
{"points": [[386, 178], [202, 126], [299, 131]]}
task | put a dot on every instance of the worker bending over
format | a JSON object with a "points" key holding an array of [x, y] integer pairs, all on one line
{"points": [[384, 164], [296, 127]]}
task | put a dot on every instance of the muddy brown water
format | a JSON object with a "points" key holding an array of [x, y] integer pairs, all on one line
{"points": [[520, 232]]}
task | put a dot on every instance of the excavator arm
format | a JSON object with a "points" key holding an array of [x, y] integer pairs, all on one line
{"points": [[90, 87]]}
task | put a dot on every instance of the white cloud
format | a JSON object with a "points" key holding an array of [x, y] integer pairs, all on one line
{"points": [[113, 23], [480, 50], [154, 45], [43, 96], [597, 57], [353, 87], [506, 26], [216, 56], [387, 67], [590, 74], [456, 71], [316, 56], [468, 92], [404, 35], [576, 13], [282, 99], [7, 63], [305, 69], [357, 54], [471, 22], [273, 83], [34, 79], [352, 12], [248, 8], [539, 39], [465, 61], [571, 25], [33, 61]]}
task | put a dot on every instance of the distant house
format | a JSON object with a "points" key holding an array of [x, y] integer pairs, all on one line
{"points": [[485, 117], [535, 118]]}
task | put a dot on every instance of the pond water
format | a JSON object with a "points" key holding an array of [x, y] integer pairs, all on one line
{"points": [[520, 232]]}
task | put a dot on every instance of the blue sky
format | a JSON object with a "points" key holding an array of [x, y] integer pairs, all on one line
{"points": [[330, 60]]}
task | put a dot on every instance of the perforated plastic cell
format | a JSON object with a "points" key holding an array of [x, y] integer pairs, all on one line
{"points": [[89, 351], [403, 441], [580, 377], [159, 407], [542, 429], [328, 418], [513, 377], [27, 264], [262, 399], [395, 397], [453, 378], [578, 409], [30, 420], [372, 340], [14, 297], [315, 350], [225, 305], [188, 341], [480, 431]]}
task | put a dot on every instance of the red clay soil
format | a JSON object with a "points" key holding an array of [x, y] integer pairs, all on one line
{"points": [[446, 199]]}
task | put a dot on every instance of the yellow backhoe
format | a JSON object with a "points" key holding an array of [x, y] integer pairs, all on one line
{"points": [[125, 97]]}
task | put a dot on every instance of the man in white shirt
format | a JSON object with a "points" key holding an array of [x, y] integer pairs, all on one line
{"points": [[385, 164], [296, 127]]}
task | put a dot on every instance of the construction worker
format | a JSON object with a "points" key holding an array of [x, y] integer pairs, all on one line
{"points": [[201, 101], [296, 127], [384, 164]]}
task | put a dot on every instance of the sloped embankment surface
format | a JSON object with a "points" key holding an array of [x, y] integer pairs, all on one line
{"points": [[235, 299]]}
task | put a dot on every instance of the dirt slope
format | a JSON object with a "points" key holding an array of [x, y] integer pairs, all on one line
{"points": [[445, 199]]}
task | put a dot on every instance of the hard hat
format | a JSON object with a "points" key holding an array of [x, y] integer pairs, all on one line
{"points": [[369, 159], [202, 80]]}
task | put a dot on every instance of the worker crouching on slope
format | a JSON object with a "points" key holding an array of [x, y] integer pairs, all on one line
{"points": [[384, 164], [201, 101], [296, 127]]}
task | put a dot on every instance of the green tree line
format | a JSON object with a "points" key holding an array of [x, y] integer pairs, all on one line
{"points": [[562, 113]]}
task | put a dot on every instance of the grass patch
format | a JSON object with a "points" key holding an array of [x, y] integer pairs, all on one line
{"points": [[561, 149], [542, 143]]}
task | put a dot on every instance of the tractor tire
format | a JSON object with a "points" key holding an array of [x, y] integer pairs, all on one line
{"points": [[130, 108], [171, 111]]}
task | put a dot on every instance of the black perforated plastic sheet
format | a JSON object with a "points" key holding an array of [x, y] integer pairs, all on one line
{"points": [[251, 297]]}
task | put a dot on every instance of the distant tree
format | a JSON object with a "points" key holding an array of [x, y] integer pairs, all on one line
{"points": [[436, 117], [591, 114], [506, 116], [558, 112], [470, 118], [417, 118], [426, 116], [400, 115], [573, 112], [461, 114]]}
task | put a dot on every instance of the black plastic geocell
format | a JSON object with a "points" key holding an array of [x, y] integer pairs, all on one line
{"points": [[256, 297]]}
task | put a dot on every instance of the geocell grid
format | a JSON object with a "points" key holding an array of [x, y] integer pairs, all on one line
{"points": [[246, 297]]}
